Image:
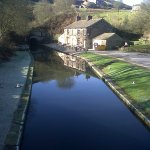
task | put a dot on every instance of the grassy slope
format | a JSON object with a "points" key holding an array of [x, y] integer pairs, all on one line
{"points": [[123, 74], [112, 16]]}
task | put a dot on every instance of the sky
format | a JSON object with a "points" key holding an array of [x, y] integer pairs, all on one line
{"points": [[132, 2]]}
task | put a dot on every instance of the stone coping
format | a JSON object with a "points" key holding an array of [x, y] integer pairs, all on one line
{"points": [[13, 139]]}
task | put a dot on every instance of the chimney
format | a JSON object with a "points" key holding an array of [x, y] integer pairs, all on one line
{"points": [[78, 18], [89, 18]]}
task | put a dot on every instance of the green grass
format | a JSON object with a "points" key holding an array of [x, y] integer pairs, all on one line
{"points": [[112, 16], [123, 75], [145, 48]]}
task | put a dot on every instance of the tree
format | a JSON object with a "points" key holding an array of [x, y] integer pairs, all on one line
{"points": [[43, 11], [14, 16], [63, 5], [141, 22], [118, 5]]}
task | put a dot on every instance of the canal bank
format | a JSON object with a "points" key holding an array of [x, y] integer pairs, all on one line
{"points": [[15, 84], [73, 60]]}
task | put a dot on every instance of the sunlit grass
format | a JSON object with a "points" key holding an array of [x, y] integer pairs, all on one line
{"points": [[145, 48], [133, 80], [112, 16]]}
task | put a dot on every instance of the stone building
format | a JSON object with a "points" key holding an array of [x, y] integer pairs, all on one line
{"points": [[107, 41], [81, 32]]}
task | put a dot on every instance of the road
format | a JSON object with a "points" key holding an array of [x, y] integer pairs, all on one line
{"points": [[140, 59]]}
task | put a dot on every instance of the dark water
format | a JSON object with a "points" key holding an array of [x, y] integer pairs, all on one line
{"points": [[74, 111]]}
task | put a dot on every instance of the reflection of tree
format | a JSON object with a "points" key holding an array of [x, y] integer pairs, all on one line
{"points": [[66, 83], [87, 76]]}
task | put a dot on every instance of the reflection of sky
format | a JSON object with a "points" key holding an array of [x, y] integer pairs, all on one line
{"points": [[132, 2], [86, 116]]}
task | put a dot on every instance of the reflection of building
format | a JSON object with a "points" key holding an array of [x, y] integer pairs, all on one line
{"points": [[74, 62]]}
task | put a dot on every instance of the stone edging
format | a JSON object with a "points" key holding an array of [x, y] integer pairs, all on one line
{"points": [[117, 90], [13, 139]]}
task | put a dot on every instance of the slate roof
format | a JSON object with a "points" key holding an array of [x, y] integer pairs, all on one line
{"points": [[82, 24], [104, 36]]}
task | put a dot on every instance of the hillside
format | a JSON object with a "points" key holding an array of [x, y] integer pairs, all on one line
{"points": [[109, 4]]}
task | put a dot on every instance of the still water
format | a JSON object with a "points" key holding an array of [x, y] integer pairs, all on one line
{"points": [[70, 110]]}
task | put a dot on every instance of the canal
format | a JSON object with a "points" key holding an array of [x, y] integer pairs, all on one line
{"points": [[71, 110]]}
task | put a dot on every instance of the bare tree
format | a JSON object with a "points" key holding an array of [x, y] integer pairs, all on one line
{"points": [[14, 16]]}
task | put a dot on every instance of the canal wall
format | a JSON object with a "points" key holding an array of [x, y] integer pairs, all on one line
{"points": [[108, 81], [14, 137]]}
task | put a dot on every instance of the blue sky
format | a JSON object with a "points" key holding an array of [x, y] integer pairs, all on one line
{"points": [[132, 2]]}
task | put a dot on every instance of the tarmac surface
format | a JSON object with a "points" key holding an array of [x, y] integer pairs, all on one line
{"points": [[140, 59], [13, 75]]}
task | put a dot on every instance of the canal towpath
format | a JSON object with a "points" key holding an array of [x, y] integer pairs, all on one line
{"points": [[13, 76], [139, 59]]}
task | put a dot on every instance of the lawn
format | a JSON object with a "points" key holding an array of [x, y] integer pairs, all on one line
{"points": [[133, 80]]}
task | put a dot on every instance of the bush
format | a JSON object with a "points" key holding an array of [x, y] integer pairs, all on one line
{"points": [[137, 48]]}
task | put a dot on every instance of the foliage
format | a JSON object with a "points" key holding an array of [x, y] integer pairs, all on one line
{"points": [[124, 75], [42, 11], [62, 6], [141, 22], [45, 11], [137, 48], [56, 24], [14, 16]]}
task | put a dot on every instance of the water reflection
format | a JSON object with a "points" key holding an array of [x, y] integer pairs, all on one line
{"points": [[66, 83], [87, 115], [51, 68]]}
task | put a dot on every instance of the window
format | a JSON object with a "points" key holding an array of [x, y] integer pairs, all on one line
{"points": [[84, 32], [78, 31]]}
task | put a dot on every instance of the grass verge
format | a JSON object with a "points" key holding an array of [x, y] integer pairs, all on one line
{"points": [[134, 81], [138, 48]]}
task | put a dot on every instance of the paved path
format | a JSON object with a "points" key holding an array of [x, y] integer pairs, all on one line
{"points": [[11, 73], [140, 59]]}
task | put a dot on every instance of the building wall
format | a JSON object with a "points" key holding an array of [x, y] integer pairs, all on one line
{"points": [[114, 42], [75, 37], [99, 28], [84, 36]]}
